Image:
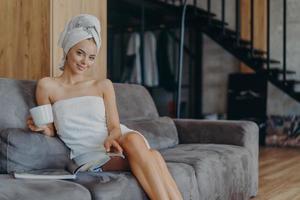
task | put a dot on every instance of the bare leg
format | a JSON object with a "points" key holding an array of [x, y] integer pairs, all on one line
{"points": [[144, 166], [169, 182], [120, 164]]}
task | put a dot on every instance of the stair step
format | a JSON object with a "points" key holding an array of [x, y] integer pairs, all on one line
{"points": [[254, 52], [230, 35], [265, 60], [216, 23], [206, 22], [259, 52], [277, 71], [293, 85], [296, 95], [289, 88], [199, 12], [290, 76], [293, 82], [227, 35], [243, 42], [276, 75]]}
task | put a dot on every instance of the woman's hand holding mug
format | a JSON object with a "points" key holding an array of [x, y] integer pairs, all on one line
{"points": [[40, 117], [44, 129]]}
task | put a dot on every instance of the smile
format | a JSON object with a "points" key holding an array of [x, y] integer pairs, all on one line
{"points": [[81, 68]]}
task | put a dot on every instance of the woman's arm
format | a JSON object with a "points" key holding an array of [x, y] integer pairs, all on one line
{"points": [[42, 98], [112, 116]]}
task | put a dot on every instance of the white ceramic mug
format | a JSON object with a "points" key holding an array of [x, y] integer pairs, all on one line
{"points": [[42, 115]]}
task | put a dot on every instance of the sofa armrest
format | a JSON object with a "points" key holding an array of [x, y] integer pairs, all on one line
{"points": [[240, 133]]}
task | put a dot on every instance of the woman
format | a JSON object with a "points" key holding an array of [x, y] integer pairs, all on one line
{"points": [[86, 116]]}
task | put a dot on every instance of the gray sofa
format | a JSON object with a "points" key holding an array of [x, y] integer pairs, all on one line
{"points": [[209, 160]]}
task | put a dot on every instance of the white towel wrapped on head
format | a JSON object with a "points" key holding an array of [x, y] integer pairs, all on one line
{"points": [[79, 28]]}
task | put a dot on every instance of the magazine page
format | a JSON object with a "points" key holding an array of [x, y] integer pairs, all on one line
{"points": [[45, 174]]}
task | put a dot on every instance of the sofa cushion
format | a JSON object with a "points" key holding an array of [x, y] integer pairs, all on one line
{"points": [[160, 132], [17, 97], [23, 150], [27, 189], [111, 185], [222, 171], [134, 102], [123, 185]]}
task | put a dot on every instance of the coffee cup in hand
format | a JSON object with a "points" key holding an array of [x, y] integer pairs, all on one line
{"points": [[42, 115]]}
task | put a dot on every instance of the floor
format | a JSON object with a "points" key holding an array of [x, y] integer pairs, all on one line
{"points": [[279, 177]]}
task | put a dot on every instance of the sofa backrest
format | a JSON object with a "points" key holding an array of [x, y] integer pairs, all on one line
{"points": [[134, 102], [16, 98]]}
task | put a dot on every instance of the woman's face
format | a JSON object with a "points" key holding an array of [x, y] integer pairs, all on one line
{"points": [[81, 56]]}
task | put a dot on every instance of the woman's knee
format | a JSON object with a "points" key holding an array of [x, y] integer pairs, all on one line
{"points": [[132, 141], [156, 154]]}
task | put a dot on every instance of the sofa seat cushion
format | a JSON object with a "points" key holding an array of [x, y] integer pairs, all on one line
{"points": [[23, 150], [160, 132], [122, 185], [222, 171], [27, 189], [111, 185]]}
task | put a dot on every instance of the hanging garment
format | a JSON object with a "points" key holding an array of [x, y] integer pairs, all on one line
{"points": [[133, 50], [151, 77], [150, 62], [165, 61]]}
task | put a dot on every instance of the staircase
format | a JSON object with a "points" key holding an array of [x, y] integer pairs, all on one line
{"points": [[258, 60], [168, 12]]}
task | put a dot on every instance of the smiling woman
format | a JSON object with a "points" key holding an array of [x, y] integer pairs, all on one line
{"points": [[86, 117], [82, 56]]}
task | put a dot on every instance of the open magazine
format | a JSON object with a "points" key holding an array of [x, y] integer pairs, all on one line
{"points": [[69, 173]]}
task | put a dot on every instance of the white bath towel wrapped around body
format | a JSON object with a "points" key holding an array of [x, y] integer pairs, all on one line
{"points": [[81, 124]]}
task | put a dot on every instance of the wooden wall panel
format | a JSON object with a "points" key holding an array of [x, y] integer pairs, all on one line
{"points": [[260, 25], [62, 11], [24, 41], [29, 33]]}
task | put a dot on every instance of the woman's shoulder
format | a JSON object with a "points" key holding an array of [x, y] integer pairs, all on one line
{"points": [[46, 82], [46, 79], [104, 85]]}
